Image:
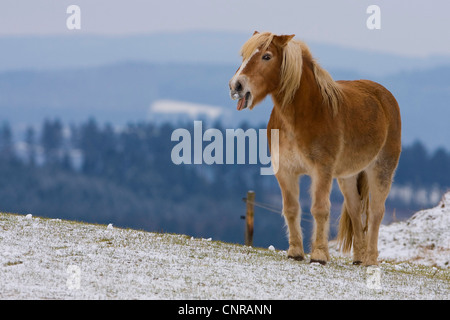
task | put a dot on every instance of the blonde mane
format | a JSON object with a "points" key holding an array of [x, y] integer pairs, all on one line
{"points": [[291, 69]]}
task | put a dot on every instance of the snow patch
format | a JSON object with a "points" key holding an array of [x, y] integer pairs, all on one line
{"points": [[193, 110], [423, 239]]}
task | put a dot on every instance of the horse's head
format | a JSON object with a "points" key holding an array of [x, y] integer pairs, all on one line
{"points": [[261, 69]]}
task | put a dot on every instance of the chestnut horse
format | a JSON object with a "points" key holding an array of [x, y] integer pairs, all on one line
{"points": [[349, 130]]}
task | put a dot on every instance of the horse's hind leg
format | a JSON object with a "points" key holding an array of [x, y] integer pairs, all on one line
{"points": [[290, 191], [353, 207], [380, 178]]}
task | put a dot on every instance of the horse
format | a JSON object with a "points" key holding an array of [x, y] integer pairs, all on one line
{"points": [[327, 129]]}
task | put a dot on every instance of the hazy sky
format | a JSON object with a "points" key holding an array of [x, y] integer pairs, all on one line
{"points": [[408, 27]]}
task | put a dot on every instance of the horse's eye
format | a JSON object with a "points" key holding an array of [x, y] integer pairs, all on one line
{"points": [[266, 57]]}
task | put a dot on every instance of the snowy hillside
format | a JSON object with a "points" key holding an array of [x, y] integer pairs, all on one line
{"points": [[56, 259], [422, 239]]}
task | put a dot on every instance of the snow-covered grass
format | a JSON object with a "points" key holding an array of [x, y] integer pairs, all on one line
{"points": [[422, 239], [56, 259]]}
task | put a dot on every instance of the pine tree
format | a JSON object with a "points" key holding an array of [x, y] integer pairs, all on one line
{"points": [[51, 141], [30, 139], [6, 142]]}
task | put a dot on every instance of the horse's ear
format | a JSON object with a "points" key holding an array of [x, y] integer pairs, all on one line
{"points": [[282, 41], [256, 32]]}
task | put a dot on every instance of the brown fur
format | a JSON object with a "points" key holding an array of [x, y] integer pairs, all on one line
{"points": [[349, 130]]}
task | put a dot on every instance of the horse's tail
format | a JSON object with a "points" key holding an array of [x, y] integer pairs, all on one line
{"points": [[345, 233]]}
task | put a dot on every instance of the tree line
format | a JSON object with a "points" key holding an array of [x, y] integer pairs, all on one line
{"points": [[114, 153]]}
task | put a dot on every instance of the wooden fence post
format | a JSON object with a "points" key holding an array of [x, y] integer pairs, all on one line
{"points": [[249, 218]]}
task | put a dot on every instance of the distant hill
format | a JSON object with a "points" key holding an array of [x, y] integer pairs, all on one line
{"points": [[124, 92], [424, 99], [74, 51], [116, 93]]}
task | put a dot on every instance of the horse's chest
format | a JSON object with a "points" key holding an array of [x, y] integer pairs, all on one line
{"points": [[291, 157]]}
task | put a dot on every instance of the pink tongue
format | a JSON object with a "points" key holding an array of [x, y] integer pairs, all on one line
{"points": [[240, 104]]}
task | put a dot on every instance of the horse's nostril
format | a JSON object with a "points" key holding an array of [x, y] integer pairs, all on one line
{"points": [[238, 86]]}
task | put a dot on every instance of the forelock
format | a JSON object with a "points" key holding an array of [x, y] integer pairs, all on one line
{"points": [[257, 41]]}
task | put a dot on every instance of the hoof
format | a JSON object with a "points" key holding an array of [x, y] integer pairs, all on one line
{"points": [[297, 258], [357, 262], [322, 262], [371, 264], [320, 255]]}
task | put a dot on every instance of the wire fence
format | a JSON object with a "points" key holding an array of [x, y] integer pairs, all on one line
{"points": [[272, 208], [269, 207]]}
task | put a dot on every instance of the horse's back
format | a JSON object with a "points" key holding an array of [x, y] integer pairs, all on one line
{"points": [[364, 90], [366, 96], [371, 122]]}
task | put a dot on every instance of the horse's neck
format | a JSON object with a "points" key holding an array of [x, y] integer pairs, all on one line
{"points": [[307, 101]]}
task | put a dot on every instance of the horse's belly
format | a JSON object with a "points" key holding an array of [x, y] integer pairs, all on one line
{"points": [[349, 170], [351, 163]]}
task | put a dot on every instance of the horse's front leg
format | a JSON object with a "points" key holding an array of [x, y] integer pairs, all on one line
{"points": [[290, 191], [320, 209]]}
